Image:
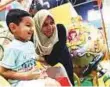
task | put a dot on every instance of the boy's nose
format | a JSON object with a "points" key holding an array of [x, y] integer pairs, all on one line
{"points": [[32, 30]]}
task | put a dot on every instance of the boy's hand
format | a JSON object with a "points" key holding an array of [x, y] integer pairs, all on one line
{"points": [[36, 73], [32, 74]]}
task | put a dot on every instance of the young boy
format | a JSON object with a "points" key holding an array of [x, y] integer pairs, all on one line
{"points": [[18, 63]]}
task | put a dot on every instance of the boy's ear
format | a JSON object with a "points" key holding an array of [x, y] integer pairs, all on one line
{"points": [[12, 27]]}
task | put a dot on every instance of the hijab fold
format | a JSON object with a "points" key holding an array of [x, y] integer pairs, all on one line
{"points": [[44, 45]]}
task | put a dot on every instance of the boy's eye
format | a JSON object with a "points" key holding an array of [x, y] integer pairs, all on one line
{"points": [[28, 25]]}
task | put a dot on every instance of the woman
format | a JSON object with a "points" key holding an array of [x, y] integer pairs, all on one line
{"points": [[51, 41]]}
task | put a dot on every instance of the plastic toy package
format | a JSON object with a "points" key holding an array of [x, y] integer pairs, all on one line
{"points": [[84, 41]]}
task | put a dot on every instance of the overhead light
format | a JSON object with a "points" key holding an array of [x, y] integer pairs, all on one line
{"points": [[94, 15]]}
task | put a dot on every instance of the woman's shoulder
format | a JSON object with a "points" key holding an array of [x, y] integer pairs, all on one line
{"points": [[61, 32], [61, 26], [61, 29]]}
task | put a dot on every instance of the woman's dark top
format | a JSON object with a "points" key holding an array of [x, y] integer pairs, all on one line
{"points": [[61, 54]]}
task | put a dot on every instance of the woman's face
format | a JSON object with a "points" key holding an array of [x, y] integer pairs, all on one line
{"points": [[48, 27]]}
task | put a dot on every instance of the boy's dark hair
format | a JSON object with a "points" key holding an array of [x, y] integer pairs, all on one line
{"points": [[15, 16]]}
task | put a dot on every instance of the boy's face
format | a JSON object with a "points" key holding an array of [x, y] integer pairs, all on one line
{"points": [[24, 30]]}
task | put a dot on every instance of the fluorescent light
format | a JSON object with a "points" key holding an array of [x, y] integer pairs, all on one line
{"points": [[93, 15]]}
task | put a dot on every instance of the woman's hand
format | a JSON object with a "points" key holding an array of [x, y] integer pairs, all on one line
{"points": [[41, 59]]}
